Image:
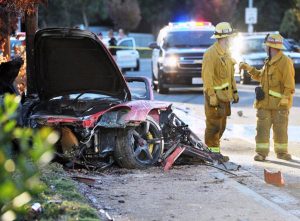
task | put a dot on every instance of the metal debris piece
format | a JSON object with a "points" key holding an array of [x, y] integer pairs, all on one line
{"points": [[180, 140], [86, 180], [240, 113], [36, 207], [107, 216]]}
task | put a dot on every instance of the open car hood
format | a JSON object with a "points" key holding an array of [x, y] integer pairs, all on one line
{"points": [[71, 61]]}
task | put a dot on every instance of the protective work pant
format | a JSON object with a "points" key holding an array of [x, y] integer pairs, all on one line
{"points": [[265, 120], [216, 118]]}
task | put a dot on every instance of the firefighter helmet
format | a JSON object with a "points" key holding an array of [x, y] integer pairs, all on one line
{"points": [[223, 30], [274, 41]]}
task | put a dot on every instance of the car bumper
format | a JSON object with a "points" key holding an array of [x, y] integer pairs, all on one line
{"points": [[182, 79]]}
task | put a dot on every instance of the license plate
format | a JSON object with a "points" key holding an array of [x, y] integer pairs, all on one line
{"points": [[197, 81]]}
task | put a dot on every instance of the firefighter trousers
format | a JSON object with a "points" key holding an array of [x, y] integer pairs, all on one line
{"points": [[278, 120], [216, 118]]}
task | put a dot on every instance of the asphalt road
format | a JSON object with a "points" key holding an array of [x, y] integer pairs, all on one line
{"points": [[195, 96]]}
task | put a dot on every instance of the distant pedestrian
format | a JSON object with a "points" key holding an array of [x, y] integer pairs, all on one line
{"points": [[100, 36], [121, 34], [112, 43]]}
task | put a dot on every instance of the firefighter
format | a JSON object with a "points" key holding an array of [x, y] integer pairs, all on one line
{"points": [[219, 86], [274, 98]]}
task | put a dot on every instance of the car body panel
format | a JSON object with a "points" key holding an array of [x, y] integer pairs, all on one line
{"points": [[132, 112]]}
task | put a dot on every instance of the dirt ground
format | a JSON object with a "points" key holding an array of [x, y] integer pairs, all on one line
{"points": [[199, 192]]}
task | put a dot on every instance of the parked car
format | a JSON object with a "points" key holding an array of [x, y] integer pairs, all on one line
{"points": [[294, 44], [178, 53], [250, 48], [78, 90], [127, 58]]}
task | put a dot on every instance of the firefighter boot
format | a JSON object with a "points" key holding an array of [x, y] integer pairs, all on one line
{"points": [[259, 157], [284, 156], [225, 159]]}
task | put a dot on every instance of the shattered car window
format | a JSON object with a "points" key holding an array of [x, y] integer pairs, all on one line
{"points": [[138, 90]]}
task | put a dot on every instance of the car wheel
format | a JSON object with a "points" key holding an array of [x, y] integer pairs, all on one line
{"points": [[139, 147], [137, 68], [160, 86], [245, 78]]}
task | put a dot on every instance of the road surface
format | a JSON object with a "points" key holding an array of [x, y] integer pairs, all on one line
{"points": [[198, 192]]}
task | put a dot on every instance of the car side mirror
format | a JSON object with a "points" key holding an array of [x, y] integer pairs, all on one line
{"points": [[140, 88], [154, 45]]}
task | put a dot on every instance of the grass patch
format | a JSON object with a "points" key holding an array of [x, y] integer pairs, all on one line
{"points": [[145, 53], [61, 200]]}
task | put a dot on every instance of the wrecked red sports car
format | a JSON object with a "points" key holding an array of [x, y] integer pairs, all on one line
{"points": [[79, 91]]}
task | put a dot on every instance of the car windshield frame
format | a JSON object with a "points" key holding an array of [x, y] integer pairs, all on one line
{"points": [[188, 39]]}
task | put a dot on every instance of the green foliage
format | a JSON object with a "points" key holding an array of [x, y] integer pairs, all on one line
{"points": [[67, 14], [19, 177], [124, 13], [290, 25], [61, 201]]}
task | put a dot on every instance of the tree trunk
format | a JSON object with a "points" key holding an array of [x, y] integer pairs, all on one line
{"points": [[6, 52], [31, 25]]}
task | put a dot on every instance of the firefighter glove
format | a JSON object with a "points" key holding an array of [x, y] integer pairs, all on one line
{"points": [[235, 98], [213, 101], [245, 66], [284, 102]]}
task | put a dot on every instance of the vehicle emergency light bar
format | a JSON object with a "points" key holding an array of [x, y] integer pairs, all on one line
{"points": [[190, 24]]}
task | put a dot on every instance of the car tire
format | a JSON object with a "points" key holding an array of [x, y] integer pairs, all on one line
{"points": [[245, 78], [130, 154], [137, 68], [160, 86]]}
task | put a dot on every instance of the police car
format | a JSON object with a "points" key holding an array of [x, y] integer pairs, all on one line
{"points": [[178, 53], [249, 48]]}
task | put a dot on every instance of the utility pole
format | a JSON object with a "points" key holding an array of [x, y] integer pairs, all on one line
{"points": [[250, 26], [250, 16]]}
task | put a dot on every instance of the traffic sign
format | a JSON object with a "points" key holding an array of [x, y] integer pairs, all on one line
{"points": [[251, 16]]}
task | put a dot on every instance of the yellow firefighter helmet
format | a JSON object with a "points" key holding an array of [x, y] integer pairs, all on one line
{"points": [[223, 30], [274, 41]]}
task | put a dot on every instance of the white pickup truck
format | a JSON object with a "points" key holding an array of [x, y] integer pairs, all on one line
{"points": [[127, 58]]}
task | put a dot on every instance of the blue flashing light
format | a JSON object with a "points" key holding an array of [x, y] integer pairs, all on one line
{"points": [[190, 24]]}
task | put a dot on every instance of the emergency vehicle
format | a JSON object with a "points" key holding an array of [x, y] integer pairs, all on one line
{"points": [[178, 53]]}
